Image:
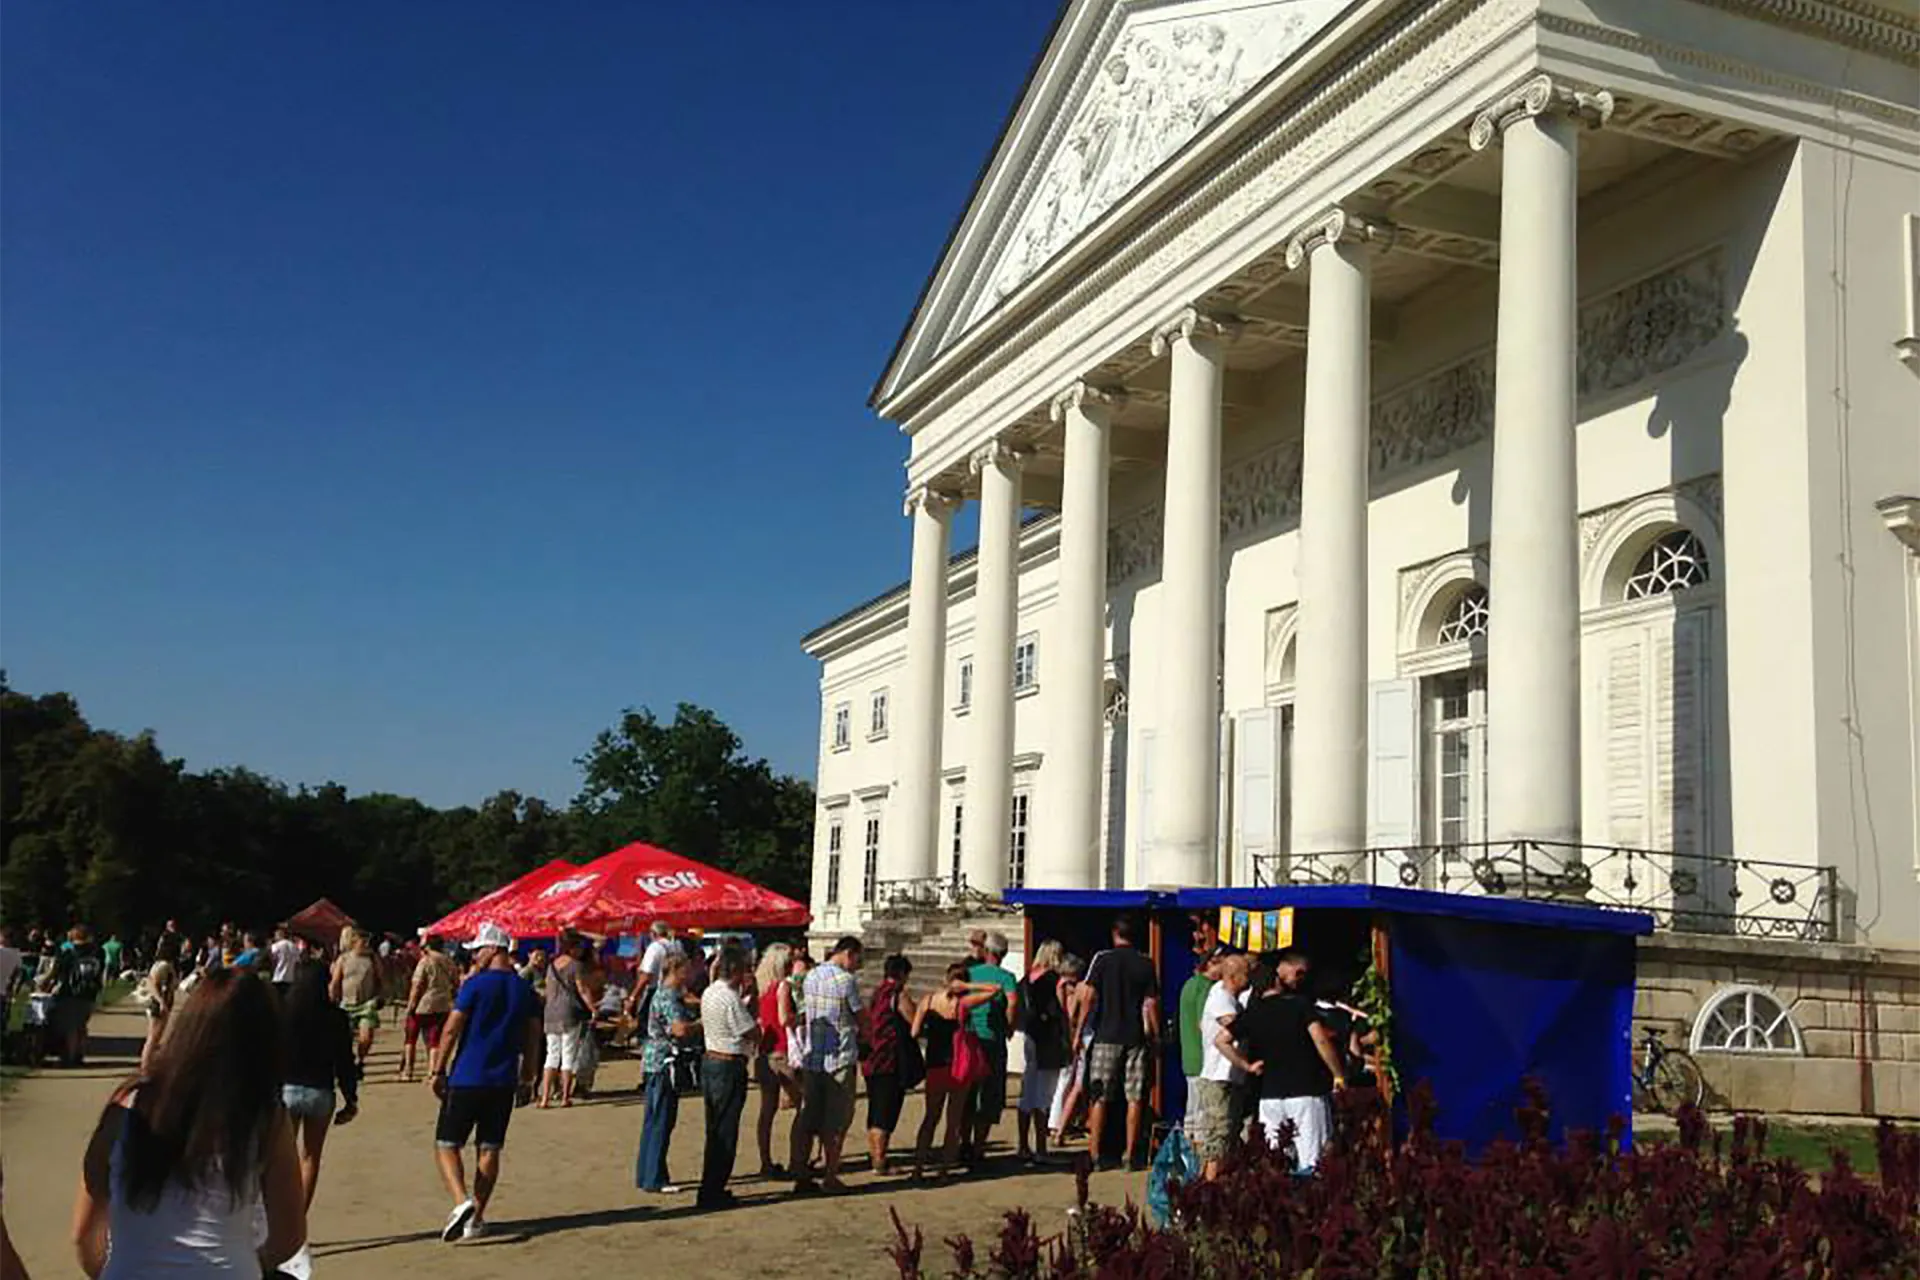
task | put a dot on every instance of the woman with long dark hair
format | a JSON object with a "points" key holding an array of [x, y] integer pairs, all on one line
{"points": [[320, 1067], [187, 1159]]}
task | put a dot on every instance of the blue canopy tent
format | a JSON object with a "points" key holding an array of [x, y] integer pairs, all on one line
{"points": [[1486, 992]]}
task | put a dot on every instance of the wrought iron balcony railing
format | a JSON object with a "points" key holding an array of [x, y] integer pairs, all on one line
{"points": [[1684, 892], [924, 895]]}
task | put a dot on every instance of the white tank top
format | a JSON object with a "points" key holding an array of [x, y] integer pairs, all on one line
{"points": [[194, 1231]]}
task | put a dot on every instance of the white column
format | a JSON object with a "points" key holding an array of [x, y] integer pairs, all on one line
{"points": [[1068, 857], [1187, 720], [922, 709], [989, 803], [1533, 645], [1330, 705]]}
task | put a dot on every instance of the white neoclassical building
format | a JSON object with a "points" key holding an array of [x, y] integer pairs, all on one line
{"points": [[1462, 443]]}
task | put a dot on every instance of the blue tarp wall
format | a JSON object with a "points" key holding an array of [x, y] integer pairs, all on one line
{"points": [[1487, 992]]}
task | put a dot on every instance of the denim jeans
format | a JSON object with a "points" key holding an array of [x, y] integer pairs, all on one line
{"points": [[663, 1106], [724, 1084]]}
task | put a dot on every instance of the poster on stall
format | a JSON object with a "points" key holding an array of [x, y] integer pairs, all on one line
{"points": [[1256, 931]]}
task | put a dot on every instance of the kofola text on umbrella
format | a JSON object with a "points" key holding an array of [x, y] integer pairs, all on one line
{"points": [[568, 885], [655, 886]]}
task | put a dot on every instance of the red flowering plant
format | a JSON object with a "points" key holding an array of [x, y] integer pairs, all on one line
{"points": [[1704, 1206]]}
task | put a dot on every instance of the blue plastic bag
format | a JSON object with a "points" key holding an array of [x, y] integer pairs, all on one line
{"points": [[1176, 1159]]}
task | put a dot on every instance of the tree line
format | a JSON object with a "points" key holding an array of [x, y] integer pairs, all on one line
{"points": [[105, 828]]}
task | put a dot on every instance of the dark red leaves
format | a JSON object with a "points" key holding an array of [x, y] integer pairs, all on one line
{"points": [[1586, 1211]]}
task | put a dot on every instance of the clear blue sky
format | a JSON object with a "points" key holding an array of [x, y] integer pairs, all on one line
{"points": [[394, 392]]}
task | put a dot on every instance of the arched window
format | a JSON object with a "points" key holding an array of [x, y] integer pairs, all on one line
{"points": [[1745, 1019], [1674, 561], [1465, 619]]}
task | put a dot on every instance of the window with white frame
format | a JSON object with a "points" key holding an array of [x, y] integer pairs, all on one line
{"points": [[1017, 840], [1026, 663], [1456, 757], [1466, 618], [835, 833], [842, 726], [1674, 561], [877, 715], [870, 869], [959, 817], [1745, 1019], [963, 685]]}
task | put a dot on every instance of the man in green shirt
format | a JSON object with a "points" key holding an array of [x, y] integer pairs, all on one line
{"points": [[992, 1022], [1193, 1002], [110, 950]]}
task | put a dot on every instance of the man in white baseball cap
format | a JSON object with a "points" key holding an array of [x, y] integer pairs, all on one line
{"points": [[493, 1038]]}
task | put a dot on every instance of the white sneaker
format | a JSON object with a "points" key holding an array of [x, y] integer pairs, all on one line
{"points": [[457, 1220], [299, 1266], [474, 1229]]}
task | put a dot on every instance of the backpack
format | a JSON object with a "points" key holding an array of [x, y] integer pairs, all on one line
{"points": [[86, 974]]}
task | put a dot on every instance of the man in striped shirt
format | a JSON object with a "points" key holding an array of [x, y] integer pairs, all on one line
{"points": [[828, 1072]]}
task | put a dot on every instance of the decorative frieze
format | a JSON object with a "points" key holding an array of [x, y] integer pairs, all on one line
{"points": [[1626, 337]]}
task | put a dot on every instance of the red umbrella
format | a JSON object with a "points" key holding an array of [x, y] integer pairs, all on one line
{"points": [[461, 922], [630, 888]]}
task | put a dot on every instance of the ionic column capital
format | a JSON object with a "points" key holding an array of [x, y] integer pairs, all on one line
{"points": [[1337, 226], [998, 454], [1541, 95], [935, 502], [1097, 401], [1194, 325]]}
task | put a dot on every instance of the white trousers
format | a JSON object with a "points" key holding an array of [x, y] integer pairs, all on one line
{"points": [[1312, 1126], [563, 1049]]}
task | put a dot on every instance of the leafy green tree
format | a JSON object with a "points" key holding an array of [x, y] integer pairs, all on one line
{"points": [[688, 786]]}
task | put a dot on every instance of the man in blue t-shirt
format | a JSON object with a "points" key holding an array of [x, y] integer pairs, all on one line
{"points": [[494, 1037]]}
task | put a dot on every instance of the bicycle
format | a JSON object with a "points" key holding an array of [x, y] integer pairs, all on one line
{"points": [[1666, 1079]]}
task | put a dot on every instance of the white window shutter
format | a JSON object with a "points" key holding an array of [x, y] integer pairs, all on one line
{"points": [[1255, 790], [1143, 830], [1623, 706], [1393, 740], [1223, 803], [1680, 738]]}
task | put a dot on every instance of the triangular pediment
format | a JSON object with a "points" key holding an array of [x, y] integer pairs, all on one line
{"points": [[1123, 87]]}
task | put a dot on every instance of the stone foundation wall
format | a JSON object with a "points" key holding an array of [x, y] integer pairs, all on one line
{"points": [[1849, 1003]]}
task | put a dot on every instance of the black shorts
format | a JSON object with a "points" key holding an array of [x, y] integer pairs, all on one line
{"points": [[480, 1114], [884, 1097]]}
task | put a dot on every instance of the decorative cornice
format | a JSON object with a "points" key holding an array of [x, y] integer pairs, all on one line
{"points": [[936, 502], [1194, 326], [1537, 97], [1893, 113], [998, 453], [1097, 401], [1335, 226], [1859, 23]]}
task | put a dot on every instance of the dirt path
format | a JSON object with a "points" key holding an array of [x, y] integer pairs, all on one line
{"points": [[566, 1203]]}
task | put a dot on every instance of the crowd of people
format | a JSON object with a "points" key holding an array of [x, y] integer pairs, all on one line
{"points": [[210, 1158]]}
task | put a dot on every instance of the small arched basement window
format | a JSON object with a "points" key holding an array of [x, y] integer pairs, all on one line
{"points": [[1745, 1019]]}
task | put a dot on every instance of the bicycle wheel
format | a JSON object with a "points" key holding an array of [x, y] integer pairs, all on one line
{"points": [[1676, 1082]]}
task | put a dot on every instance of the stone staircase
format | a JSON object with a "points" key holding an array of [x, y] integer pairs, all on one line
{"points": [[932, 941]]}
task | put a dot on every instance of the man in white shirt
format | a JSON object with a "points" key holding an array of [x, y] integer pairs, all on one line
{"points": [[1222, 1066], [732, 1033], [651, 961], [285, 953]]}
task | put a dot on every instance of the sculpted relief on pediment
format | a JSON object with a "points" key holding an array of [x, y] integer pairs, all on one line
{"points": [[1164, 76]]}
